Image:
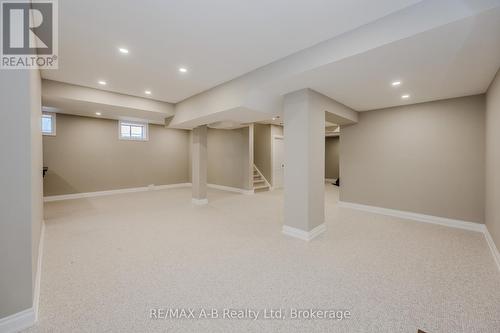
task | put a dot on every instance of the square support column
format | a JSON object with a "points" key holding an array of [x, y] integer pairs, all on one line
{"points": [[304, 181], [249, 172], [199, 165]]}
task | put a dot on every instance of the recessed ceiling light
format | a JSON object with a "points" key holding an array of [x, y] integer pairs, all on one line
{"points": [[396, 83], [147, 92], [183, 70], [274, 118], [405, 96], [123, 50], [98, 113], [102, 83]]}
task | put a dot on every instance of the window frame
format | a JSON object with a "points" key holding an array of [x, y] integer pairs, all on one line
{"points": [[52, 116], [144, 125]]}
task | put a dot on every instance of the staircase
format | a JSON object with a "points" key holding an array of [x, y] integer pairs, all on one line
{"points": [[259, 183]]}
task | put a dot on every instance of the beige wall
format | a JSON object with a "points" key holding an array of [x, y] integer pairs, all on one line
{"points": [[228, 157], [86, 156], [262, 149], [250, 154], [493, 160], [36, 166], [276, 130], [263, 141], [332, 157], [20, 195], [425, 158]]}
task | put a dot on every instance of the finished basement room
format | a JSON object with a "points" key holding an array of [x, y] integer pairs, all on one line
{"points": [[250, 166]]}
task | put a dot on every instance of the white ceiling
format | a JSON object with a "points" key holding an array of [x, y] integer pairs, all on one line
{"points": [[216, 40], [457, 59]]}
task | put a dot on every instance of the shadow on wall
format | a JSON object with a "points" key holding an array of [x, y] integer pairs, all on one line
{"points": [[54, 183], [332, 145], [70, 207]]}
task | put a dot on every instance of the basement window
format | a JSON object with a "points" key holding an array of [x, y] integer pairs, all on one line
{"points": [[133, 131], [49, 124]]}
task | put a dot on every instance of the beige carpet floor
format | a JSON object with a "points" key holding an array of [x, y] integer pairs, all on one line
{"points": [[109, 260]]}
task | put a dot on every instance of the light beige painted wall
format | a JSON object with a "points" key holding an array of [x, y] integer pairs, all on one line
{"points": [[228, 157], [425, 158], [332, 157], [36, 167], [262, 149], [276, 130], [190, 157], [493, 160], [20, 195], [249, 170], [199, 166], [86, 155]]}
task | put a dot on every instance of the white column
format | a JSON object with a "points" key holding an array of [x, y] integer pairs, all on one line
{"points": [[199, 165], [304, 189]]}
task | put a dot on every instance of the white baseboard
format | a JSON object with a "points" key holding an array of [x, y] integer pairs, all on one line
{"points": [[199, 201], [169, 186], [330, 180], [18, 321], [493, 248], [302, 234], [27, 318], [472, 226], [139, 189], [230, 189], [38, 276], [112, 192]]}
